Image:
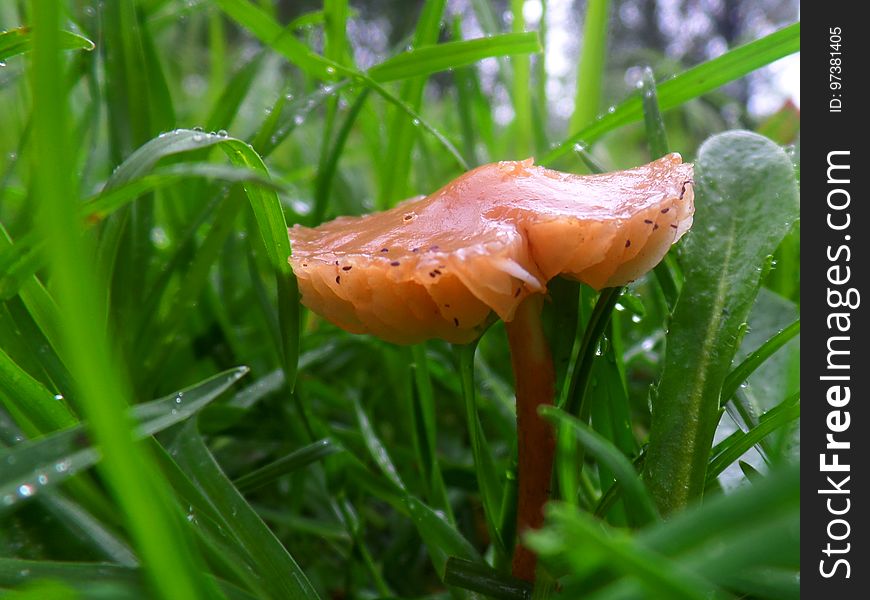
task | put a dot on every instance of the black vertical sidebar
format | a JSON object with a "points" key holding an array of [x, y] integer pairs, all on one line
{"points": [[835, 255]]}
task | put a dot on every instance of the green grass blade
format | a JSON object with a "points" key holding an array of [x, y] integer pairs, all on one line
{"points": [[396, 167], [590, 68], [424, 430], [485, 580], [450, 55], [488, 482], [267, 30], [28, 400], [522, 87], [278, 572], [287, 464], [20, 40], [376, 448], [173, 565], [634, 492], [690, 84], [326, 174], [575, 538], [656, 136], [91, 580], [737, 445], [227, 104], [38, 464], [741, 372], [746, 200]]}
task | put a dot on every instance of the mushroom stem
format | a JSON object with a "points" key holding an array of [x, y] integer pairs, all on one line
{"points": [[535, 385]]}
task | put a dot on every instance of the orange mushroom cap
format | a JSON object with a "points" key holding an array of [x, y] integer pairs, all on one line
{"points": [[435, 266]]}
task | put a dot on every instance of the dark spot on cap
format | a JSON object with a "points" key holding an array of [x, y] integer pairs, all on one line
{"points": [[446, 306], [647, 221], [347, 268], [338, 279], [673, 225], [437, 272], [395, 263], [627, 243], [336, 262], [456, 321], [408, 217], [517, 293], [432, 274], [656, 226], [385, 249], [433, 248], [415, 249], [664, 210]]}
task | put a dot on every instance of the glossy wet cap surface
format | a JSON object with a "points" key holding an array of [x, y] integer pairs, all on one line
{"points": [[436, 266]]}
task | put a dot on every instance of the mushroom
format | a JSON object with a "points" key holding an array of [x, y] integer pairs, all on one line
{"points": [[489, 241]]}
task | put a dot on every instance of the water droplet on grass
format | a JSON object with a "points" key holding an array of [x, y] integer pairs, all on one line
{"points": [[25, 490]]}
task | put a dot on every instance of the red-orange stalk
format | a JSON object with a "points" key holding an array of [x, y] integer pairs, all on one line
{"points": [[535, 385]]}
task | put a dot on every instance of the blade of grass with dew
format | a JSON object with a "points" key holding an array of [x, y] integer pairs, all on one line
{"points": [[174, 567], [463, 82], [574, 538], [423, 428], [269, 32], [297, 459], [569, 462], [435, 58], [522, 88], [288, 113], [326, 173], [690, 84], [376, 448], [396, 167], [667, 271], [20, 40], [724, 455], [590, 68], [635, 494], [610, 416], [61, 455], [747, 199], [157, 343], [226, 106], [269, 216], [489, 486], [28, 400], [485, 580], [280, 573], [741, 372], [92, 580]]}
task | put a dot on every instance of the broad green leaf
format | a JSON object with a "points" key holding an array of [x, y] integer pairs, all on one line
{"points": [[690, 84], [746, 199], [37, 464], [427, 60]]}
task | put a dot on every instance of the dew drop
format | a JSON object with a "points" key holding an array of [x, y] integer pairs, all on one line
{"points": [[25, 490], [58, 396]]}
